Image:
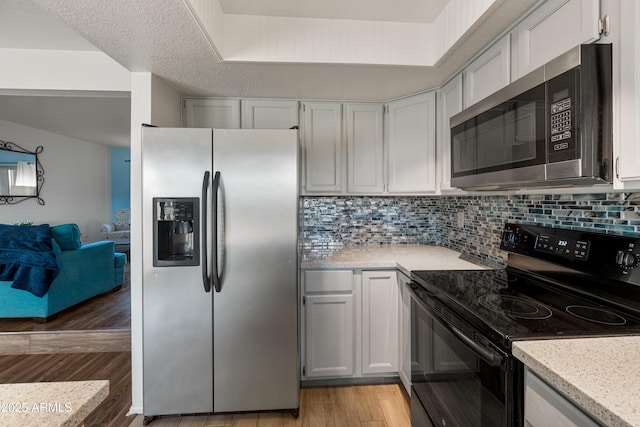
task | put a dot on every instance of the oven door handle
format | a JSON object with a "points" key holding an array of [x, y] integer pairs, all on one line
{"points": [[492, 357]]}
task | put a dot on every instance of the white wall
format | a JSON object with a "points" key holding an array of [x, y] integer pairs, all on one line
{"points": [[76, 181], [156, 103], [35, 69]]}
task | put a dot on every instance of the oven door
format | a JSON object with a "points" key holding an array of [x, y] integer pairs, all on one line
{"points": [[457, 381]]}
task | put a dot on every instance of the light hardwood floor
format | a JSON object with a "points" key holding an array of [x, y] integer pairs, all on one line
{"points": [[337, 406]]}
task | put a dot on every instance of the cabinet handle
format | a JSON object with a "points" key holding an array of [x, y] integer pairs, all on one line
{"points": [[618, 167]]}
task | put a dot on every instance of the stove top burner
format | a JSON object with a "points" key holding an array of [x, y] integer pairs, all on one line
{"points": [[597, 315], [514, 306]]}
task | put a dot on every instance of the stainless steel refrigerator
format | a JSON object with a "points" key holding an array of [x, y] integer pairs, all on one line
{"points": [[220, 228]]}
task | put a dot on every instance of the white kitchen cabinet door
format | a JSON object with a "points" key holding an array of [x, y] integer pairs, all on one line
{"points": [[544, 406], [380, 329], [488, 73], [411, 143], [551, 30], [365, 149], [211, 113], [626, 95], [322, 148], [269, 114], [329, 335], [404, 370], [449, 104]]}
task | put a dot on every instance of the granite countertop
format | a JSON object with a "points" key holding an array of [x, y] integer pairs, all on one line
{"points": [[50, 403], [403, 257], [600, 374]]}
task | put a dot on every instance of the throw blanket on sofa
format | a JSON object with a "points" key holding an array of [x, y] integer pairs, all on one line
{"points": [[27, 258]]}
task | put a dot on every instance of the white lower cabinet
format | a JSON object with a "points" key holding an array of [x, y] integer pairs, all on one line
{"points": [[380, 321], [404, 368], [329, 335], [544, 406], [351, 323], [329, 323]]}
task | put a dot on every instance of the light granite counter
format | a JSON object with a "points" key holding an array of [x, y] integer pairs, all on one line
{"points": [[50, 403], [403, 257], [602, 375]]}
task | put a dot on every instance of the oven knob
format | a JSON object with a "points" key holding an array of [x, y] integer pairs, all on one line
{"points": [[626, 259]]}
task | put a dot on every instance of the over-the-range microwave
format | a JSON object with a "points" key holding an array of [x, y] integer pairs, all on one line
{"points": [[549, 128]]}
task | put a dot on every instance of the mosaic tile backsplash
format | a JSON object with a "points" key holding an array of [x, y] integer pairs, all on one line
{"points": [[330, 222]]}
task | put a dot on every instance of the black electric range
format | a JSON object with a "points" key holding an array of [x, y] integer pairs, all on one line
{"points": [[558, 283]]}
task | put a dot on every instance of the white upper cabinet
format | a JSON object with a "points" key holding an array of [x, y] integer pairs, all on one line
{"points": [[488, 73], [625, 25], [211, 113], [269, 114], [449, 104], [365, 148], [552, 29], [322, 148], [411, 145]]}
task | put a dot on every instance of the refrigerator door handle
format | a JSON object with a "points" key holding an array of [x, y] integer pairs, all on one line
{"points": [[215, 274], [205, 270]]}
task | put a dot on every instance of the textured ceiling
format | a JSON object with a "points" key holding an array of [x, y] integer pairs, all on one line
{"points": [[160, 36]]}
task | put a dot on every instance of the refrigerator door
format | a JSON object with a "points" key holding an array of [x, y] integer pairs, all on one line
{"points": [[177, 312], [256, 352]]}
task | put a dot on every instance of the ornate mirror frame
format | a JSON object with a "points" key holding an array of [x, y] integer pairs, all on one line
{"points": [[7, 199]]}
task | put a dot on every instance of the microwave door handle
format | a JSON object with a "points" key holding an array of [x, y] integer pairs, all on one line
{"points": [[492, 357], [205, 270]]}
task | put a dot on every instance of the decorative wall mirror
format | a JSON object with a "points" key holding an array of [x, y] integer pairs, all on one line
{"points": [[21, 174]]}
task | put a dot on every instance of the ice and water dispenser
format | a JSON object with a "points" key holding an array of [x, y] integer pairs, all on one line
{"points": [[176, 232]]}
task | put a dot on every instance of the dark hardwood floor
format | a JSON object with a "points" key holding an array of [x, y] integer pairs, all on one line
{"points": [[111, 310], [115, 367]]}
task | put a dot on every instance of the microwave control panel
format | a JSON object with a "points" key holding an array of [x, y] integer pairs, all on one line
{"points": [[561, 112], [561, 124]]}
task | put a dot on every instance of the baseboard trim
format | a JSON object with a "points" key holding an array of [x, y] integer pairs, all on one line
{"points": [[390, 379]]}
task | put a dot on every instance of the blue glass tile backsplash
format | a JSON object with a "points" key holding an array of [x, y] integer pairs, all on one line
{"points": [[330, 222]]}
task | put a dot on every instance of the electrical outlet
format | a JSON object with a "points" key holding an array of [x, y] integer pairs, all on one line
{"points": [[460, 219]]}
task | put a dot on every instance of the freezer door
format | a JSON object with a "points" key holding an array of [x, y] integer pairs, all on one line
{"points": [[177, 312], [256, 352]]}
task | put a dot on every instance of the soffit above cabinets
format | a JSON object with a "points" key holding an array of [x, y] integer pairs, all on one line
{"points": [[340, 50], [424, 11], [372, 32]]}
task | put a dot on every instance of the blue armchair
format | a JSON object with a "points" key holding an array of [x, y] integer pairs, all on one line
{"points": [[85, 271]]}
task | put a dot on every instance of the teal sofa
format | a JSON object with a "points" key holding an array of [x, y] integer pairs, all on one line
{"points": [[85, 271]]}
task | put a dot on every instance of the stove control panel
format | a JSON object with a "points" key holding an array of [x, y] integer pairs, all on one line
{"points": [[603, 255], [567, 247]]}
